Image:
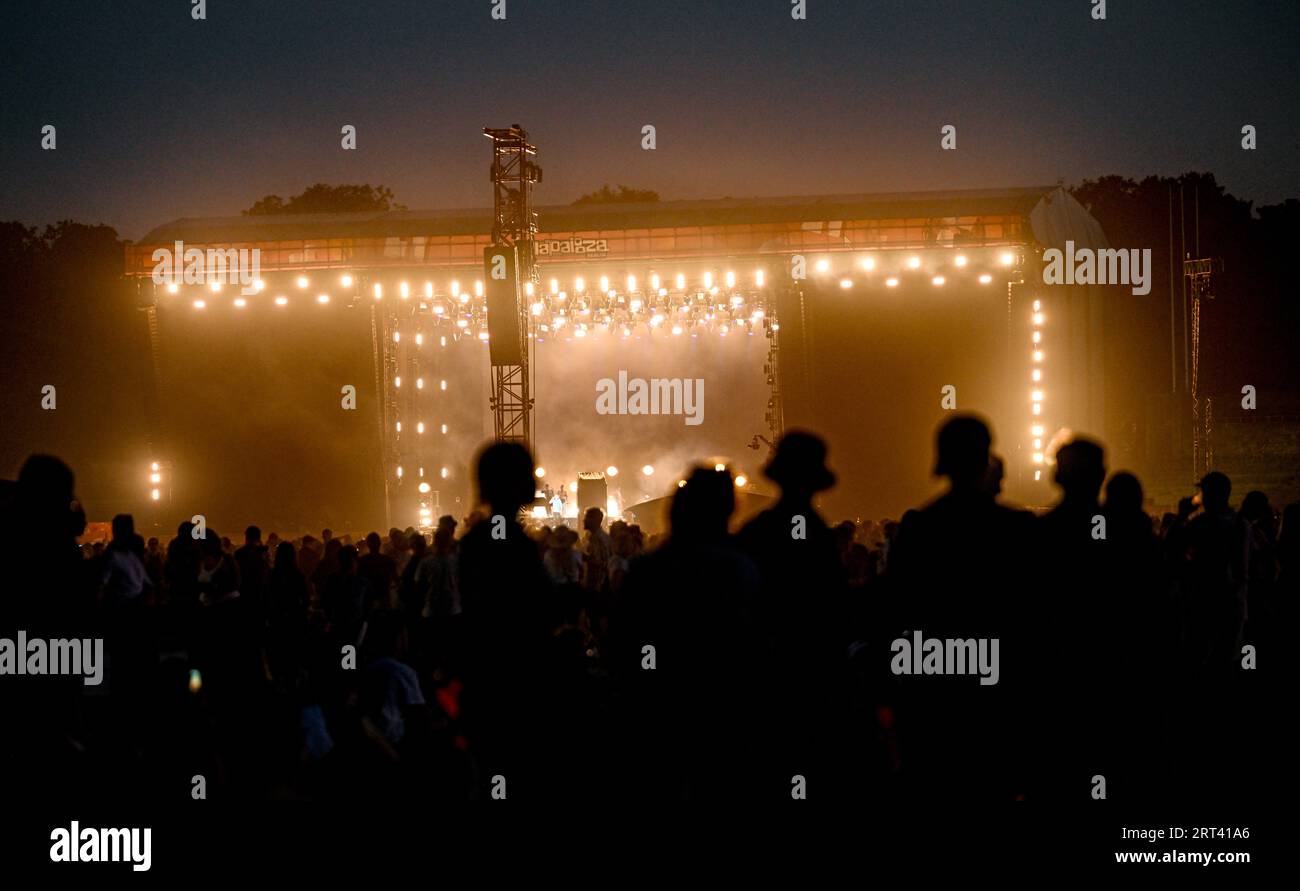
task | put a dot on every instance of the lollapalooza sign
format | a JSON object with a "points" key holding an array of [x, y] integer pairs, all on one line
{"points": [[596, 247]]}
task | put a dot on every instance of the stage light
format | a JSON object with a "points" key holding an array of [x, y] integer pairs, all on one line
{"points": [[303, 282], [937, 281], [959, 260], [428, 290], [282, 300], [155, 494], [1037, 395], [579, 285], [913, 262], [634, 304], [153, 466], [215, 287], [199, 304], [462, 323], [419, 427], [455, 288], [719, 467], [155, 477], [1038, 318], [647, 470], [677, 329], [656, 320], [1038, 336], [419, 383], [444, 429], [731, 279], [404, 290], [419, 340], [681, 281], [580, 331], [555, 286], [322, 298], [346, 281], [528, 289], [379, 291], [1038, 457], [539, 472], [1038, 443], [758, 278], [442, 385], [397, 337], [1038, 475], [846, 283], [424, 488], [399, 426], [399, 471], [891, 283], [631, 283], [1036, 430], [573, 487], [259, 285], [823, 265], [985, 279], [442, 340], [397, 381], [1038, 304], [172, 288], [741, 481], [241, 302], [722, 331], [611, 470], [654, 282], [1037, 409], [444, 473], [1008, 259], [1036, 375], [869, 263], [604, 282], [681, 484], [537, 309]]}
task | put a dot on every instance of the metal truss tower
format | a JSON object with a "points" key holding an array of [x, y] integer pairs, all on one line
{"points": [[515, 225]]}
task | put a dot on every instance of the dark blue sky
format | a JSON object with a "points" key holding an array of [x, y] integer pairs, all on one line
{"points": [[160, 116]]}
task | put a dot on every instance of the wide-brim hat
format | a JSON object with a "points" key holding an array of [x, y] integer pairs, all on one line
{"points": [[800, 460]]}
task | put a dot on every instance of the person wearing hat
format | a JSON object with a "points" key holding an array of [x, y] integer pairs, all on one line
{"points": [[802, 613]]}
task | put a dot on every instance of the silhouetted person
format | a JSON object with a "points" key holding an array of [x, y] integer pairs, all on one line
{"points": [[504, 593], [694, 726], [957, 569], [802, 611], [378, 569], [254, 571]]}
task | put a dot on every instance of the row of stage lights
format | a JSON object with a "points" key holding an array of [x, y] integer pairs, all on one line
{"points": [[1037, 428]]}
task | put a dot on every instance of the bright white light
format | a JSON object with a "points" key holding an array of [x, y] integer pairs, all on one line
{"points": [[741, 481], [379, 291], [155, 477], [428, 289], [404, 289], [1038, 304], [681, 281], [1038, 457], [573, 487], [419, 426], [153, 466], [302, 281], [654, 282], [241, 302], [1036, 430], [397, 337], [322, 298], [677, 329], [604, 282], [419, 340], [155, 494], [1037, 375], [579, 285], [1037, 395], [719, 467], [397, 381], [281, 300], [539, 472], [442, 385], [444, 429], [537, 309], [731, 279], [1038, 355], [399, 426], [399, 471], [631, 283], [891, 283], [960, 260], [1038, 318], [937, 280], [444, 473], [199, 304], [758, 278], [172, 288], [419, 383], [647, 470], [259, 285], [424, 488], [611, 470], [555, 286], [846, 283], [1038, 336], [913, 262], [869, 263], [346, 281], [1008, 259], [985, 279], [708, 280], [455, 289]]}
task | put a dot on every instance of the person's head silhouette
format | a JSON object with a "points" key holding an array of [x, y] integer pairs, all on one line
{"points": [[505, 477], [1215, 489], [1080, 470], [962, 451], [798, 466], [1124, 493], [702, 507]]}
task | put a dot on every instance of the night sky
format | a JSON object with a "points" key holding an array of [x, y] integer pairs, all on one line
{"points": [[160, 116]]}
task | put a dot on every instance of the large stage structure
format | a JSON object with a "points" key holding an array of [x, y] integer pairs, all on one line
{"points": [[655, 272]]}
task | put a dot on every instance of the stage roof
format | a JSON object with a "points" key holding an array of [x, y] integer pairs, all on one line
{"points": [[574, 218]]}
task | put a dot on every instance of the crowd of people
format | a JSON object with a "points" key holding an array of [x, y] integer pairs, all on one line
{"points": [[501, 657]]}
